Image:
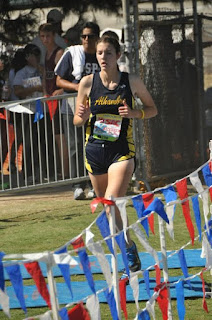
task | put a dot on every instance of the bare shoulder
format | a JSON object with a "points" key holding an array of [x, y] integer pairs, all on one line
{"points": [[86, 81], [136, 83]]}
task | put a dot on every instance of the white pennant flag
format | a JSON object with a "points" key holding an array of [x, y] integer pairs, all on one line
{"points": [[92, 305], [150, 305], [135, 287], [97, 251], [205, 208], [196, 183], [206, 252], [46, 316], [64, 258], [121, 204], [141, 237], [170, 215], [4, 302]]}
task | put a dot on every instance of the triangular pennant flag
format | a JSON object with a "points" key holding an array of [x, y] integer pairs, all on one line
{"points": [[195, 203], [144, 315], [150, 305], [204, 197], [93, 307], [103, 225], [4, 302], [122, 245], [206, 252], [2, 282], [158, 275], [78, 243], [209, 233], [65, 270], [183, 194], [170, 195], [183, 264], [204, 303], [97, 250], [147, 199], [141, 237], [196, 183], [162, 300], [180, 300], [158, 207], [78, 313], [17, 283], [146, 280], [135, 288], [34, 270], [138, 204], [63, 313], [121, 204], [112, 304], [207, 175], [96, 201], [38, 111], [123, 295], [52, 106]]}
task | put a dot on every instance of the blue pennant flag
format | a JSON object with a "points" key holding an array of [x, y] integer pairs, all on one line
{"points": [[2, 282], [157, 206], [183, 264], [86, 268], [122, 245], [103, 225], [146, 280], [169, 194], [207, 175], [180, 300], [63, 313], [112, 303], [65, 270], [38, 111], [138, 204], [144, 315], [14, 273], [209, 235], [195, 204]]}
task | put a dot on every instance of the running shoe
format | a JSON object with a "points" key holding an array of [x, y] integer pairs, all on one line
{"points": [[79, 194], [134, 261]]}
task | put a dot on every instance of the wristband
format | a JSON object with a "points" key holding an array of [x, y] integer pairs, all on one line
{"points": [[142, 114]]}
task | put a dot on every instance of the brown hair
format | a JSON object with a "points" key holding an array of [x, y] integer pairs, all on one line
{"points": [[111, 40], [47, 27]]}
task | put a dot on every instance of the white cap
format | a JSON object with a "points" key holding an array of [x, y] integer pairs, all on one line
{"points": [[55, 15]]}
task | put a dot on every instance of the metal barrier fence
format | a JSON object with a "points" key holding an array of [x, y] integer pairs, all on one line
{"points": [[39, 144]]}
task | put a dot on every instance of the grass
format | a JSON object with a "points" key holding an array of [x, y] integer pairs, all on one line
{"points": [[42, 221]]}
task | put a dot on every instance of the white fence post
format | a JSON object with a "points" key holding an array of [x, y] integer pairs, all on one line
{"points": [[165, 265], [114, 262]]}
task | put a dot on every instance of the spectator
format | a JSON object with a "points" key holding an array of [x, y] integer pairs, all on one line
{"points": [[1, 65], [28, 84], [72, 36], [55, 17], [76, 62], [53, 54]]}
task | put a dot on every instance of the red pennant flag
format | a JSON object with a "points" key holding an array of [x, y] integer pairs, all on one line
{"points": [[96, 201], [34, 270], [52, 106], [158, 276], [183, 193], [78, 243], [204, 303], [210, 190], [210, 165], [122, 291], [147, 199], [163, 300], [78, 313]]}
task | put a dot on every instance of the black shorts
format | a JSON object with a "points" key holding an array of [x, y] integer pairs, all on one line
{"points": [[100, 155]]}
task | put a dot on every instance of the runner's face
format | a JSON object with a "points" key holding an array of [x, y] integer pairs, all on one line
{"points": [[89, 40], [106, 56]]}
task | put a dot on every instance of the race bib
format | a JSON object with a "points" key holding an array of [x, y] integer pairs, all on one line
{"points": [[107, 127]]}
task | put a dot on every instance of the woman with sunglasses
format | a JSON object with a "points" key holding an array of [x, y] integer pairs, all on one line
{"points": [[106, 101]]}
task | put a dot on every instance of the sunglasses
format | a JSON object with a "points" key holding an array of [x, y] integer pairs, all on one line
{"points": [[90, 36]]}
